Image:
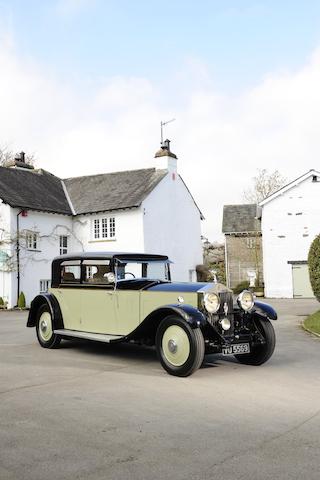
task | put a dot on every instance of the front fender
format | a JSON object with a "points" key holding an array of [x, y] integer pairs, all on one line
{"points": [[190, 314], [264, 310], [52, 302], [149, 326]]}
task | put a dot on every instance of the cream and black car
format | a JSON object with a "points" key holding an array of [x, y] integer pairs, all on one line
{"points": [[127, 297]]}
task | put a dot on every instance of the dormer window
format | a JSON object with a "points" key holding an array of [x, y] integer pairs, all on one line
{"points": [[104, 228]]}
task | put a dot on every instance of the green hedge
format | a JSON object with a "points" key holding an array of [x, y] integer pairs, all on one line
{"points": [[314, 266]]}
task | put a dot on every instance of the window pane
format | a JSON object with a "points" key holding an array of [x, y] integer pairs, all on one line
{"points": [[32, 241], [112, 227], [70, 274], [97, 274], [104, 228], [63, 244], [96, 228]]}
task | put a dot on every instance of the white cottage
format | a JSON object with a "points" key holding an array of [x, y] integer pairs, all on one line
{"points": [[41, 216], [290, 222]]}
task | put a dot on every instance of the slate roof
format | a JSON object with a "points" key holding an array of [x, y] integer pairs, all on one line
{"points": [[112, 191], [33, 189], [40, 190], [240, 219]]}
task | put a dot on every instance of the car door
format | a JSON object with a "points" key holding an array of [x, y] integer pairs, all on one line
{"points": [[98, 302], [127, 309], [69, 294]]}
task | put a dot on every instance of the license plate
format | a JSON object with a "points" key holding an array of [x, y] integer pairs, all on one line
{"points": [[237, 349]]}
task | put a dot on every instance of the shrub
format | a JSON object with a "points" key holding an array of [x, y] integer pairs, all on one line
{"points": [[314, 266], [1, 302], [22, 301], [241, 286]]}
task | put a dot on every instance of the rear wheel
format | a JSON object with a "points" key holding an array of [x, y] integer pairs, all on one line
{"points": [[44, 326], [260, 353], [180, 348]]}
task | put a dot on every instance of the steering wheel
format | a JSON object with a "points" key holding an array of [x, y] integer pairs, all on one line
{"points": [[129, 273]]}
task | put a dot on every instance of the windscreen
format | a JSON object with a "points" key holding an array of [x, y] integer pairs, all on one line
{"points": [[152, 270]]}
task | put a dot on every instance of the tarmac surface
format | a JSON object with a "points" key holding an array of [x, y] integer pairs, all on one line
{"points": [[94, 411]]}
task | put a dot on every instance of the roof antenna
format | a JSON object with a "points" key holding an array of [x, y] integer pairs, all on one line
{"points": [[162, 124]]}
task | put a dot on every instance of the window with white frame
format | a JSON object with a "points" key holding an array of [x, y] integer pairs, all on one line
{"points": [[44, 285], [96, 228], [63, 244], [251, 242], [104, 228], [32, 240]]}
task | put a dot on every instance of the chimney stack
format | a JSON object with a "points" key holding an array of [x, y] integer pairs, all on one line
{"points": [[166, 160], [19, 161]]}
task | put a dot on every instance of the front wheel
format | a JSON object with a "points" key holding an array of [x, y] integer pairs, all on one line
{"points": [[260, 353], [46, 337], [180, 348]]}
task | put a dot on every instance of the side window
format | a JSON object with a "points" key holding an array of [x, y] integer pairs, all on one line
{"points": [[70, 272], [96, 272]]}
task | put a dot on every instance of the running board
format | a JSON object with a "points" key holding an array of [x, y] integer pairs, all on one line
{"points": [[97, 337]]}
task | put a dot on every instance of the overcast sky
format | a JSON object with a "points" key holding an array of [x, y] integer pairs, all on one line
{"points": [[84, 85]]}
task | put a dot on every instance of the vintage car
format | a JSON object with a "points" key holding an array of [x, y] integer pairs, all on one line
{"points": [[127, 297]]}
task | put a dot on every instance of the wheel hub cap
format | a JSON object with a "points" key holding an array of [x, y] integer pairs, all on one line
{"points": [[175, 345], [44, 326], [172, 346]]}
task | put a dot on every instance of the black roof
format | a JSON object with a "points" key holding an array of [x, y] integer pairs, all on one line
{"points": [[112, 191], [241, 218], [33, 189], [107, 255]]}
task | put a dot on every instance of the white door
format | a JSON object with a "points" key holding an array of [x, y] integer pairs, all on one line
{"points": [[301, 282]]}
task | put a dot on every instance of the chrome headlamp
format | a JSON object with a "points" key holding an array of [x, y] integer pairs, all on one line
{"points": [[211, 302], [245, 300]]}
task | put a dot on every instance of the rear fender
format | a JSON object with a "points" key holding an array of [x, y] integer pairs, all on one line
{"points": [[52, 302]]}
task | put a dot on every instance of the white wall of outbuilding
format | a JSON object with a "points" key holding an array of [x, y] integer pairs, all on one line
{"points": [[290, 222]]}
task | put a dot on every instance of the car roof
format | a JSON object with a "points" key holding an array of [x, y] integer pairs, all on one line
{"points": [[111, 255]]}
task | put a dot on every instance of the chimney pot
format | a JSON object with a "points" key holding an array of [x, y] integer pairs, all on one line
{"points": [[166, 145]]}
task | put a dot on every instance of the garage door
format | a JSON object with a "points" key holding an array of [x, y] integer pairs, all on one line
{"points": [[301, 282]]}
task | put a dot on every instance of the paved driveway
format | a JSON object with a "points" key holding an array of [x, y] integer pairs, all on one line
{"points": [[92, 411]]}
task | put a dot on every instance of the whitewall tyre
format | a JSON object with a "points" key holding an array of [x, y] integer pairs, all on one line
{"points": [[44, 326], [180, 348]]}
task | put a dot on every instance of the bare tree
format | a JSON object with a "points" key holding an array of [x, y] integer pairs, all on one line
{"points": [[264, 184], [7, 155]]}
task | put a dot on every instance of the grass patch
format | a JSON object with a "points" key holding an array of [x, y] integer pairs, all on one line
{"points": [[313, 322]]}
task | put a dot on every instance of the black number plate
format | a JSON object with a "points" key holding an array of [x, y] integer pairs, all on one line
{"points": [[237, 349]]}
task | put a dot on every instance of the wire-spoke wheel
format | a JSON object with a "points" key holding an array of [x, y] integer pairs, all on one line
{"points": [[180, 348], [46, 337]]}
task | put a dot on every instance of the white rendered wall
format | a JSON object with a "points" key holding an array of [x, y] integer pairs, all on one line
{"points": [[289, 224], [36, 265], [129, 232], [6, 278], [172, 226]]}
